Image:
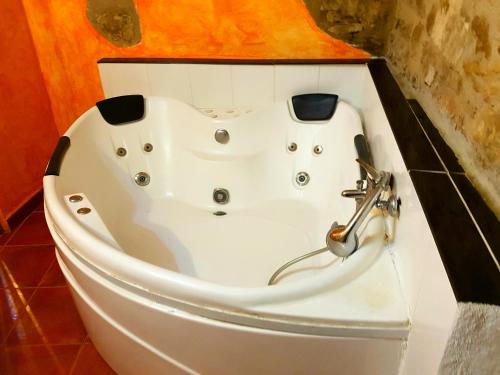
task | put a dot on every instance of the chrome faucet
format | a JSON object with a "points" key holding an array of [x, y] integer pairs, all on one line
{"points": [[342, 240]]}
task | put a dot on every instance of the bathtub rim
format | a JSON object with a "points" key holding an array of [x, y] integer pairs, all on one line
{"points": [[167, 283], [237, 319], [113, 262]]}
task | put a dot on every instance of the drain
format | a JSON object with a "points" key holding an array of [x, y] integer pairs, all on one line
{"points": [[302, 178], [220, 213]]}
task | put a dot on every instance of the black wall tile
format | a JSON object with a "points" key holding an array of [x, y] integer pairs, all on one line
{"points": [[486, 219], [473, 275], [415, 148], [444, 151]]}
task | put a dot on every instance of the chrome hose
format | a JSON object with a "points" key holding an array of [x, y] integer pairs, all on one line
{"points": [[293, 261]]}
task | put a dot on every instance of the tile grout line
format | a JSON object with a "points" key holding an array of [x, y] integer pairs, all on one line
{"points": [[31, 245], [34, 287], [25, 311], [43, 345], [12, 234], [46, 272], [4, 342], [426, 171], [25, 307], [73, 366], [486, 243]]}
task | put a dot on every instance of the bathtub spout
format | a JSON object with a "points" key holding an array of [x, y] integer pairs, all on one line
{"points": [[342, 240]]}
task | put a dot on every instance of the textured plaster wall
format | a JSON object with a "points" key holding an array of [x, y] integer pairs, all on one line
{"points": [[27, 130], [71, 36], [446, 53], [365, 24]]}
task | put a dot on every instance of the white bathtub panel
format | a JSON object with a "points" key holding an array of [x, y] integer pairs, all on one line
{"points": [[212, 347], [423, 279], [253, 85], [171, 80], [124, 79], [433, 319], [292, 80], [125, 355], [211, 85], [226, 85], [344, 80], [124, 352]]}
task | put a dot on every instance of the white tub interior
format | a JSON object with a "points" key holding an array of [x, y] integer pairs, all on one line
{"points": [[269, 219]]}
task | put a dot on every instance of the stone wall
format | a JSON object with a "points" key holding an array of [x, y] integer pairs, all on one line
{"points": [[116, 20], [364, 24], [446, 54]]}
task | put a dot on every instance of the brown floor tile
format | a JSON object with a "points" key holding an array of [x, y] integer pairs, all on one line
{"points": [[54, 276], [12, 307], [33, 231], [39, 359], [24, 266], [51, 318], [90, 362]]}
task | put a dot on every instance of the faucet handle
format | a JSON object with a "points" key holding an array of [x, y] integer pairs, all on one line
{"points": [[373, 173]]}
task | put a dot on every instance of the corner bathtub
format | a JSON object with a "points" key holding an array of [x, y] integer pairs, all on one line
{"points": [[165, 286]]}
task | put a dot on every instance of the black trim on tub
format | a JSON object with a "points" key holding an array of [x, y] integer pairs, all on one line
{"points": [[416, 151], [162, 60], [57, 157], [121, 110]]}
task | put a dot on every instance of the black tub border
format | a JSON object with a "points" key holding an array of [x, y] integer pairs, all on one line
{"points": [[54, 165]]}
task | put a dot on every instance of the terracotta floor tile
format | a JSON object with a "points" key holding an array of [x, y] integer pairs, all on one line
{"points": [[39, 207], [54, 276], [39, 359], [12, 307], [4, 238], [24, 266], [33, 231], [51, 318], [90, 362]]}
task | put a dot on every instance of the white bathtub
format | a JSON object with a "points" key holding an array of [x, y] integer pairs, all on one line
{"points": [[163, 285]]}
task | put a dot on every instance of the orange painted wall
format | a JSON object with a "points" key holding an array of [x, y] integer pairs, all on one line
{"points": [[27, 129], [68, 47]]}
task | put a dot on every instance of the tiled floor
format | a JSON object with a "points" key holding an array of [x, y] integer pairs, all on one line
{"points": [[40, 329]]}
